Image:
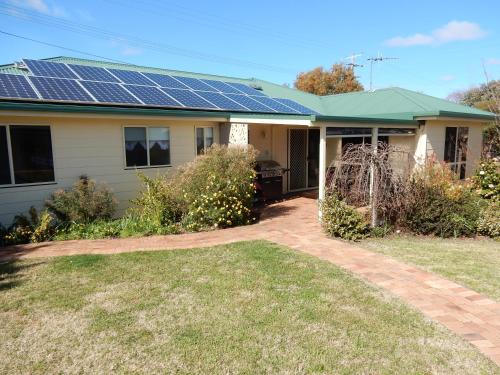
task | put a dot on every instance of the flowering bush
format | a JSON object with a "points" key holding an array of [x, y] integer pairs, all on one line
{"points": [[487, 179], [215, 190], [32, 228], [489, 221], [218, 187], [440, 205]]}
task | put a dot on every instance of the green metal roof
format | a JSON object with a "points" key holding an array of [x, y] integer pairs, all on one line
{"points": [[385, 105], [396, 103]]}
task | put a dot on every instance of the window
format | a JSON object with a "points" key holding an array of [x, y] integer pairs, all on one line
{"points": [[147, 146], [29, 159], [204, 139], [455, 149]]}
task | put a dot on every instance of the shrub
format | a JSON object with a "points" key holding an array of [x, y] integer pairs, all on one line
{"points": [[341, 220], [489, 220], [85, 202], [159, 204], [487, 180], [218, 188], [31, 228], [438, 205]]}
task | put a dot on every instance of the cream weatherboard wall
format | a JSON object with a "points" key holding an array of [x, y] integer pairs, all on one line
{"points": [[95, 147], [431, 141]]}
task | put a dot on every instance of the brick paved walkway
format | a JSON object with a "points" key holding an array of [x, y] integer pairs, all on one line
{"points": [[293, 223]]}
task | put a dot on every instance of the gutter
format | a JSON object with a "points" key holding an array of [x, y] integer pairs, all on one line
{"points": [[371, 120], [138, 111], [477, 116]]}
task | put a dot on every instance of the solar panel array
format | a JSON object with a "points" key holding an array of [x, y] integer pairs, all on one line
{"points": [[52, 81]]}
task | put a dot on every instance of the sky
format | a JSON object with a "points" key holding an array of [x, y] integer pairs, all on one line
{"points": [[438, 46]]}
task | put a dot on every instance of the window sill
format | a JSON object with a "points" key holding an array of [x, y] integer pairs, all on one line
{"points": [[148, 167], [13, 186]]}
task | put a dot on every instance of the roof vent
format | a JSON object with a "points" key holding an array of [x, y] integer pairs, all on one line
{"points": [[20, 65], [256, 87]]}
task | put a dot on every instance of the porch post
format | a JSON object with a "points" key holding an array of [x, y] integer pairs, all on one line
{"points": [[373, 198], [322, 164]]}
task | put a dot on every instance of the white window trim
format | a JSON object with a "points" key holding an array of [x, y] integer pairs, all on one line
{"points": [[11, 159], [204, 137], [147, 147]]}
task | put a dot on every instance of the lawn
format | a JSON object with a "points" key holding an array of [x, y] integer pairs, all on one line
{"points": [[474, 263], [249, 308]]}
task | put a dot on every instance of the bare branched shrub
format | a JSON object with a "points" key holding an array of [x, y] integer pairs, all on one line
{"points": [[350, 177]]}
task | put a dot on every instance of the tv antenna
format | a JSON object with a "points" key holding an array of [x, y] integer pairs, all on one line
{"points": [[353, 57], [378, 58]]}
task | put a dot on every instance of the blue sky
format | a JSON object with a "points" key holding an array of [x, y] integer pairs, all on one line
{"points": [[440, 45]]}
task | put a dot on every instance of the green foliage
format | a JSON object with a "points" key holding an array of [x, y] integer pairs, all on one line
{"points": [[33, 227], [487, 180], [483, 97], [159, 204], [489, 220], [439, 205], [218, 188], [381, 231], [341, 220], [127, 226], [85, 202]]}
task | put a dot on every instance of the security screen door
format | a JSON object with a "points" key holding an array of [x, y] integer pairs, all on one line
{"points": [[303, 154]]}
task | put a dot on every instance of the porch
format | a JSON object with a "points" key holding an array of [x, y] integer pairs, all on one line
{"points": [[307, 149]]}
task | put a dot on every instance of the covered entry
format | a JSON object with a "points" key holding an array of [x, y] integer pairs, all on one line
{"points": [[303, 159]]}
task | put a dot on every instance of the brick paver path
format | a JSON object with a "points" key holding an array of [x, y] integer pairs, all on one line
{"points": [[294, 223]]}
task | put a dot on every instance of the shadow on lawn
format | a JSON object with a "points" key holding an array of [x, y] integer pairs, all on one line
{"points": [[11, 267]]}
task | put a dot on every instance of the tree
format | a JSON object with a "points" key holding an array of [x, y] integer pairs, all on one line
{"points": [[337, 80], [485, 97]]}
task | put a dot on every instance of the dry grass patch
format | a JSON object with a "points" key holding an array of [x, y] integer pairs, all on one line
{"points": [[248, 308]]}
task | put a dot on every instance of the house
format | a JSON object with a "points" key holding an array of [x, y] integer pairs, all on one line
{"points": [[64, 117]]}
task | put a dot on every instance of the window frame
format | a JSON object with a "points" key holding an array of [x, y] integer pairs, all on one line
{"points": [[204, 137], [11, 160], [149, 166], [459, 158]]}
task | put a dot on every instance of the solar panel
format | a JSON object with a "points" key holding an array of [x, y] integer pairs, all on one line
{"points": [[294, 105], [188, 98], [49, 69], [93, 73], [152, 95], [106, 92], [246, 89], [250, 103], [195, 83], [277, 106], [165, 81], [60, 89], [221, 101], [221, 86], [129, 76], [16, 86]]}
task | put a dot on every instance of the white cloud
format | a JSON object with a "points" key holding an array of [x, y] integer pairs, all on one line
{"points": [[492, 61], [451, 32], [42, 6], [447, 77]]}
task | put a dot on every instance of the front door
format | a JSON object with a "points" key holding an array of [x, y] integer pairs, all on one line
{"points": [[303, 151]]}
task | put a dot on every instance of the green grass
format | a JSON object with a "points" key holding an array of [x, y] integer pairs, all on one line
{"points": [[474, 263], [248, 308]]}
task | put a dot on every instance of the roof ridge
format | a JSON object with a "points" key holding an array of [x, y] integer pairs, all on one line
{"points": [[125, 65], [398, 91]]}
